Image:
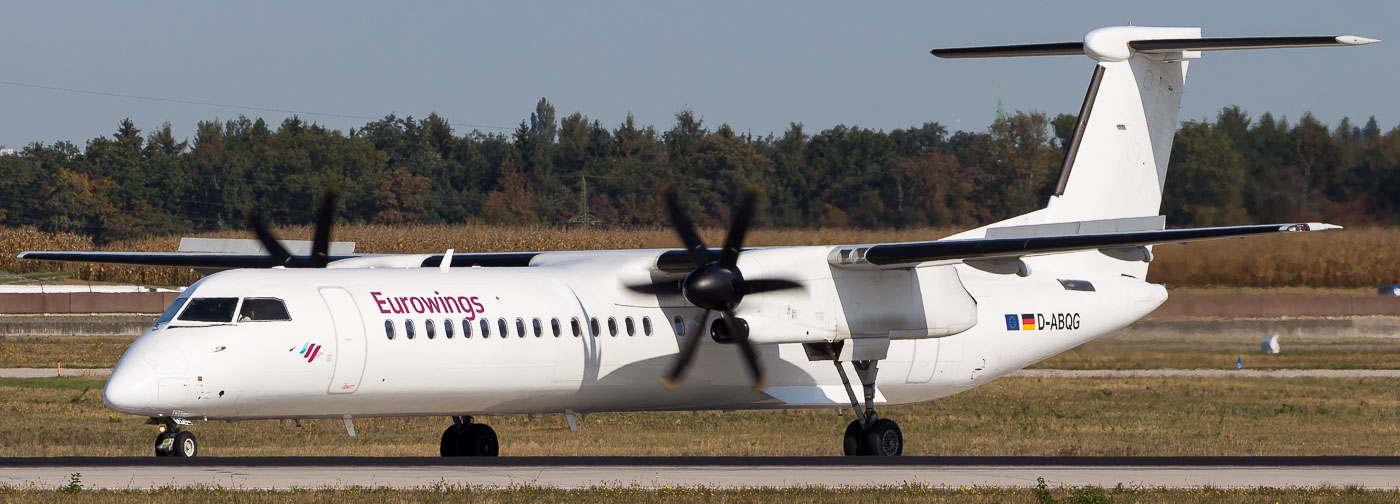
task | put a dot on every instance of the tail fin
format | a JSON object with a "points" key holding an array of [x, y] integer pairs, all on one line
{"points": [[1116, 165]]}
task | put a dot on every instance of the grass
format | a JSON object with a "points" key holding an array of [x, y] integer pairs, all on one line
{"points": [[1011, 416], [899, 494], [48, 352], [1353, 259]]}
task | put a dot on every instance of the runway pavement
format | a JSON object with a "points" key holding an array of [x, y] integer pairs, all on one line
{"points": [[649, 472], [1024, 373]]}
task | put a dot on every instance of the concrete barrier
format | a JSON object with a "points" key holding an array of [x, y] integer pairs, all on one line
{"points": [[86, 302], [1276, 305]]}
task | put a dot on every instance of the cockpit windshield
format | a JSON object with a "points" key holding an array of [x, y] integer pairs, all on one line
{"points": [[169, 313], [263, 310], [209, 310]]}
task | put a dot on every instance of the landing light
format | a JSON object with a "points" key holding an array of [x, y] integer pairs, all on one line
{"points": [[162, 429]]}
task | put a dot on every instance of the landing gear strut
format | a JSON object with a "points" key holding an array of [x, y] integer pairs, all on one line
{"points": [[867, 435], [174, 442], [466, 439]]}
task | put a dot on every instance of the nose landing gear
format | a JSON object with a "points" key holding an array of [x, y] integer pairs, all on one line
{"points": [[174, 442], [466, 439]]}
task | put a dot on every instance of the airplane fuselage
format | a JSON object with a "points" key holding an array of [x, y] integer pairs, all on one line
{"points": [[564, 336]]}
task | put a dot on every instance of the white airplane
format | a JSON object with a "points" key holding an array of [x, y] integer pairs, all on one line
{"points": [[280, 336]]}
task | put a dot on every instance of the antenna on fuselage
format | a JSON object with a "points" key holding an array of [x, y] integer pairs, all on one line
{"points": [[446, 264]]}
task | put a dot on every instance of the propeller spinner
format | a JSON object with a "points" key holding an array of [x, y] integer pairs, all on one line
{"points": [[715, 284]]}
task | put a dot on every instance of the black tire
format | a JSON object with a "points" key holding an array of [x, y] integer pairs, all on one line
{"points": [[185, 445], [883, 439], [451, 440], [850, 444], [160, 439], [478, 440]]}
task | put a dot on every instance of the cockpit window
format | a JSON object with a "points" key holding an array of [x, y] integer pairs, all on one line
{"points": [[169, 313], [263, 310], [209, 310]]}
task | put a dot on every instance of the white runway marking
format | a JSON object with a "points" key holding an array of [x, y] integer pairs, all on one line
{"points": [[243, 477]]}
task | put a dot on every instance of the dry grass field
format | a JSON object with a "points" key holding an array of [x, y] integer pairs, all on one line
{"points": [[1352, 258], [48, 352], [902, 494], [1012, 416]]}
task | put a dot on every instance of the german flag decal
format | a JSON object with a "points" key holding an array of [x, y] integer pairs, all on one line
{"points": [[1028, 322]]}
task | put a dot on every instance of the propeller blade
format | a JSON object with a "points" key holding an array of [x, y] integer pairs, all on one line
{"points": [[692, 341], [694, 246], [658, 288], [750, 353], [767, 285], [738, 227], [274, 247], [325, 220]]}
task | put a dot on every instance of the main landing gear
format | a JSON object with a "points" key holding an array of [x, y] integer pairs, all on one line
{"points": [[868, 435], [466, 439], [174, 442]]}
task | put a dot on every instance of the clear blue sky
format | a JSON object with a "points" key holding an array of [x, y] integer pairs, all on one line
{"points": [[754, 65]]}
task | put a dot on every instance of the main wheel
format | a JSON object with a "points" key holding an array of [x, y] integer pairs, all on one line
{"points": [[451, 441], [850, 444], [883, 439], [478, 440], [165, 444], [185, 445]]}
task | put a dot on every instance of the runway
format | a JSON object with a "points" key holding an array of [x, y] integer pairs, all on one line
{"points": [[1024, 373], [722, 472]]}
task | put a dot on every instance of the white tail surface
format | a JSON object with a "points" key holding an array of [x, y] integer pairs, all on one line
{"points": [[1116, 165]]}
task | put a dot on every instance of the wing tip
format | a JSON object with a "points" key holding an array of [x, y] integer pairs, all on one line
{"points": [[1355, 40]]}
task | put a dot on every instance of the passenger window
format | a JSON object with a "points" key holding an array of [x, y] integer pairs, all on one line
{"points": [[554, 326], [210, 310], [263, 310], [389, 329], [679, 326], [466, 328], [505, 329], [612, 326], [519, 327], [631, 328], [447, 328], [408, 329], [539, 328], [646, 326], [593, 327], [429, 328], [485, 328], [578, 328]]}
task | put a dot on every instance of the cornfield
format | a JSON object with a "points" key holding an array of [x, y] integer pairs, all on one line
{"points": [[1335, 259]]}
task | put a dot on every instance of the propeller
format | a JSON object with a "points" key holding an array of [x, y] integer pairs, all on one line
{"points": [[320, 241], [716, 284]]}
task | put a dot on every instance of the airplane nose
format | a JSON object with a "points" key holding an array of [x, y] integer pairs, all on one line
{"points": [[131, 389]]}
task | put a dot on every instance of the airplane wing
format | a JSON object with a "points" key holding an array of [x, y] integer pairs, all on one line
{"points": [[903, 255], [219, 261]]}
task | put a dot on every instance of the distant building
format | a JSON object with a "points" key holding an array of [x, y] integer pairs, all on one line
{"points": [[7, 152]]}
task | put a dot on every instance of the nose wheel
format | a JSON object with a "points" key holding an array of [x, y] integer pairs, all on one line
{"points": [[466, 439], [173, 442]]}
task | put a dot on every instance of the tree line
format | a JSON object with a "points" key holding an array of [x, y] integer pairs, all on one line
{"points": [[1234, 170]]}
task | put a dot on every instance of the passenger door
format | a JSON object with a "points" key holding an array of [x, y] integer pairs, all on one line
{"points": [[349, 340]]}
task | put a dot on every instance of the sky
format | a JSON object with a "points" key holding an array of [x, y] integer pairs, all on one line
{"points": [[756, 66]]}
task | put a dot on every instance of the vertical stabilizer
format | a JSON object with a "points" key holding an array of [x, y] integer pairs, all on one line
{"points": [[1117, 161]]}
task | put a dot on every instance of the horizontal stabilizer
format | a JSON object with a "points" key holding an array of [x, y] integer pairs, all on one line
{"points": [[1235, 43], [1006, 51], [1151, 46]]}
